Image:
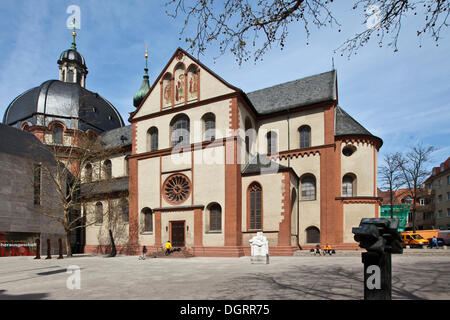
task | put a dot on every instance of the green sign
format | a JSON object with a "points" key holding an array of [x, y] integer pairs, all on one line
{"points": [[400, 212]]}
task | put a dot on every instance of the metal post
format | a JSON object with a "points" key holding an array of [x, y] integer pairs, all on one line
{"points": [[60, 249], [49, 254], [377, 275], [38, 249]]}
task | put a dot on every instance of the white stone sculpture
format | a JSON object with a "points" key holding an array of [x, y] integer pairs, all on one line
{"points": [[259, 248]]}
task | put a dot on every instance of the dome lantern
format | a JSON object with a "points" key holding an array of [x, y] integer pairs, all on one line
{"points": [[72, 66]]}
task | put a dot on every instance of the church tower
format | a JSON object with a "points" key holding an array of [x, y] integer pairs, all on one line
{"points": [[145, 87], [72, 67]]}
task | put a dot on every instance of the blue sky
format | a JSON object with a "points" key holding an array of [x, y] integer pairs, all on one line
{"points": [[402, 97]]}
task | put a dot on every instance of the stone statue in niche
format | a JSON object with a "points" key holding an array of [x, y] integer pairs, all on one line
{"points": [[259, 249]]}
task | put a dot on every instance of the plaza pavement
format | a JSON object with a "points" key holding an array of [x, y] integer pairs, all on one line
{"points": [[416, 275]]}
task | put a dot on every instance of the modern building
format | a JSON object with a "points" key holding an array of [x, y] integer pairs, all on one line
{"points": [[26, 193]]}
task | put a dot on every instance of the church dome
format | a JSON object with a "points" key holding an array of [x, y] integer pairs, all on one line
{"points": [[75, 106], [72, 55]]}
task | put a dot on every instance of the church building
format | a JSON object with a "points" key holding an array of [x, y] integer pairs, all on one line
{"points": [[206, 165]]}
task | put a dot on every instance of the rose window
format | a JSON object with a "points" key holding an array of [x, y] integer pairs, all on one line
{"points": [[177, 188]]}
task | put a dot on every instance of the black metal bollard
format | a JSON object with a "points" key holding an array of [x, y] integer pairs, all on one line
{"points": [[38, 249], [380, 237], [60, 249], [49, 255], [377, 276]]}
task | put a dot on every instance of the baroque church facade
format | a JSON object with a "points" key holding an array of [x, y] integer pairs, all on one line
{"points": [[206, 166]]}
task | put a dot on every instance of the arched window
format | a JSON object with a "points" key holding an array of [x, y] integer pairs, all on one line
{"points": [[305, 136], [148, 219], [152, 139], [249, 134], [209, 126], [70, 76], [124, 210], [99, 212], [272, 139], [308, 187], [254, 199], [312, 235], [180, 131], [57, 134], [107, 169], [88, 172], [79, 77], [215, 217], [349, 185]]}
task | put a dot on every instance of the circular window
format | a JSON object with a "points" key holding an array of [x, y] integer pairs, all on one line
{"points": [[348, 150], [176, 188]]}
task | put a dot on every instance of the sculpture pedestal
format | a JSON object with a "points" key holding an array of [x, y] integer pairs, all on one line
{"points": [[260, 259]]}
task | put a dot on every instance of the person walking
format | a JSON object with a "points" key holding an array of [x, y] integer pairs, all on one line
{"points": [[435, 242], [168, 248]]}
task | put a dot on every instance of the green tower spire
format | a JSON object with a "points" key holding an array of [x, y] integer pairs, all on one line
{"points": [[74, 35], [145, 87]]}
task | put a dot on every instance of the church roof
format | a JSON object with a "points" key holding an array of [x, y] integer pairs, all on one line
{"points": [[117, 137], [297, 93], [346, 125], [261, 164], [67, 102], [23, 144]]}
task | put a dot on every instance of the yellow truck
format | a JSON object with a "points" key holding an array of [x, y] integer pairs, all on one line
{"points": [[413, 239]]}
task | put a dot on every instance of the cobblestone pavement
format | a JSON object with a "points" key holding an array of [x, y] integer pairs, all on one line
{"points": [[415, 276]]}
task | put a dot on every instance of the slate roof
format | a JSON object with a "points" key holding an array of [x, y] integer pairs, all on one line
{"points": [[302, 92], [261, 164], [117, 137], [23, 144], [103, 186], [64, 101], [346, 125]]}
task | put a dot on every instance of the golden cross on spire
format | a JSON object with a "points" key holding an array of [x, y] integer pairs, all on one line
{"points": [[74, 34], [146, 55]]}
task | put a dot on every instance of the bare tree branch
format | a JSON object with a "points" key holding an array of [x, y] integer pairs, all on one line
{"points": [[247, 28]]}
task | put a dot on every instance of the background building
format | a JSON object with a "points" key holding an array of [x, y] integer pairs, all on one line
{"points": [[25, 192], [438, 186]]}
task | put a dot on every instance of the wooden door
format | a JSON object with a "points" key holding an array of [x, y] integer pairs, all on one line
{"points": [[177, 233]]}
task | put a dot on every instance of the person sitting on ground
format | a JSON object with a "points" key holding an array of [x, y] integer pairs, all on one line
{"points": [[168, 248], [327, 249], [317, 250]]}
